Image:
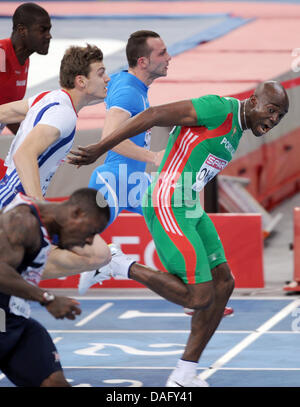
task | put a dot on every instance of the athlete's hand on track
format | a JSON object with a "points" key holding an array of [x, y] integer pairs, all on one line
{"points": [[64, 307]]}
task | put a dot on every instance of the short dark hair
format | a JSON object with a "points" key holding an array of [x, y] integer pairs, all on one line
{"points": [[137, 46], [77, 61], [90, 201], [27, 14]]}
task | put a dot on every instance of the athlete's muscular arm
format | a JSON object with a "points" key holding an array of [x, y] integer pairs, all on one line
{"points": [[62, 263], [20, 234], [26, 157], [13, 112], [113, 120], [178, 113]]}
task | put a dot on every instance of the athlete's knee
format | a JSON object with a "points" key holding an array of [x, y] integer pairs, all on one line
{"points": [[223, 279], [56, 379], [201, 296], [203, 302]]}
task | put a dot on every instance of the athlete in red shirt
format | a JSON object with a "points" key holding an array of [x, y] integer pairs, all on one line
{"points": [[31, 33]]}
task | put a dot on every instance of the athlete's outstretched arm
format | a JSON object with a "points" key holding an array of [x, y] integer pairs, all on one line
{"points": [[115, 117], [13, 112], [178, 113]]}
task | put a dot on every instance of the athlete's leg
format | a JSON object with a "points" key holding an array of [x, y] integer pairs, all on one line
{"points": [[56, 379], [182, 253], [208, 299], [205, 322], [189, 255], [203, 325], [34, 360], [172, 288], [223, 286], [199, 296]]}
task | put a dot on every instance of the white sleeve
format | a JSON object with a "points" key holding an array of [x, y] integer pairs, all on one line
{"points": [[31, 99], [61, 117], [2, 125]]}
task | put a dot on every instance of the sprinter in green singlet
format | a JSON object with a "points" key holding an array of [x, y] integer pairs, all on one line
{"points": [[207, 135]]}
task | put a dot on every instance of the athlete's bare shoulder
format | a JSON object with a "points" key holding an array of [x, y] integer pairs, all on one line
{"points": [[19, 233]]}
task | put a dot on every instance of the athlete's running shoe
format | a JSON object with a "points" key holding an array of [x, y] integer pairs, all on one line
{"points": [[228, 311], [89, 278], [118, 267], [120, 262], [194, 381]]}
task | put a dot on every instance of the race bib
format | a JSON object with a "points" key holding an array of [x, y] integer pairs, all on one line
{"points": [[209, 169], [19, 306], [147, 139]]}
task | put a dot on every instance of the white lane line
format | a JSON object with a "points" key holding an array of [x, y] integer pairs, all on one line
{"points": [[278, 369], [296, 369], [59, 338], [94, 314], [2, 376], [250, 339], [157, 297], [157, 331], [137, 331], [137, 314], [123, 367], [114, 298]]}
